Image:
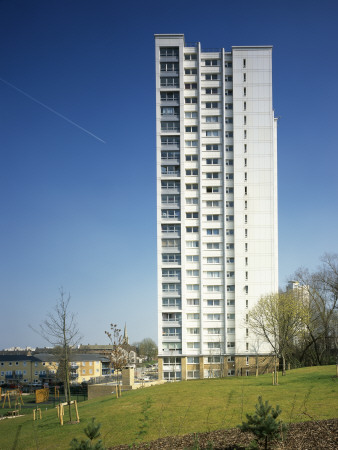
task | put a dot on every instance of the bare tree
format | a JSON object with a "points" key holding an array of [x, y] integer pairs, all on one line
{"points": [[321, 288], [278, 319], [119, 356], [60, 329]]}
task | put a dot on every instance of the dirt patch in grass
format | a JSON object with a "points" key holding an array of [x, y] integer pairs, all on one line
{"points": [[312, 435]]}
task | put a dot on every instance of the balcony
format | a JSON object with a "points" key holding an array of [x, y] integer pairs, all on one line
{"points": [[171, 174]]}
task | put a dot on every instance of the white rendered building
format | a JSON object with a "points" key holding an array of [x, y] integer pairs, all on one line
{"points": [[216, 204]]}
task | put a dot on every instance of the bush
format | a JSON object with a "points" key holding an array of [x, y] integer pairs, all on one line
{"points": [[263, 424]]}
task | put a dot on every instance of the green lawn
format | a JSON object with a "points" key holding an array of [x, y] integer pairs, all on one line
{"points": [[180, 408]]}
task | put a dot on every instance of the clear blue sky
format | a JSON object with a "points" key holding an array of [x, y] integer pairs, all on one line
{"points": [[79, 213]]}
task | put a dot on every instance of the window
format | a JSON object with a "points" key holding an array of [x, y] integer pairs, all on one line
{"points": [[190, 57], [193, 345], [246, 232], [170, 140], [212, 161], [190, 100], [212, 175], [214, 345], [170, 126], [230, 274], [190, 71], [193, 374], [246, 261], [231, 288], [214, 303], [211, 76], [191, 201], [213, 245], [171, 287], [230, 302], [191, 172], [246, 246], [230, 232], [247, 332], [245, 148], [211, 133], [171, 317], [229, 176], [191, 143], [213, 189], [193, 287], [192, 244], [192, 215], [191, 157], [228, 92], [193, 316], [190, 85], [211, 119], [228, 78], [229, 162], [244, 106], [193, 360], [244, 63], [169, 51], [229, 134], [193, 129], [167, 155], [212, 274], [212, 147], [192, 229], [228, 120], [245, 218], [213, 260], [193, 273], [169, 67], [212, 217], [231, 330], [193, 302], [211, 105], [211, 62], [213, 288], [191, 187], [193, 331], [169, 82], [231, 345], [192, 258], [245, 190], [230, 260], [190, 115], [171, 228], [212, 231], [171, 258], [229, 148], [244, 77], [247, 303], [172, 302], [214, 359], [171, 273], [246, 289], [170, 213], [228, 64], [244, 120], [212, 203], [229, 204], [169, 96], [244, 91], [229, 218], [245, 134], [170, 199], [247, 346], [211, 90], [171, 331], [245, 176], [230, 246]]}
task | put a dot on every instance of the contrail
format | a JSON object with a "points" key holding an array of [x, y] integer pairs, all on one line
{"points": [[52, 110]]}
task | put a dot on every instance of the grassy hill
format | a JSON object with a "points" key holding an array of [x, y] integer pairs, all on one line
{"points": [[180, 408]]}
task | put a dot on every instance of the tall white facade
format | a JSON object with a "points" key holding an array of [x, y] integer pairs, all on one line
{"points": [[216, 204]]}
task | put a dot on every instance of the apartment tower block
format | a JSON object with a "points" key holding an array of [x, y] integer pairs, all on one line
{"points": [[217, 243]]}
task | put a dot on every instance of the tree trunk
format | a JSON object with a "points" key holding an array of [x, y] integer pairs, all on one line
{"points": [[284, 369]]}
